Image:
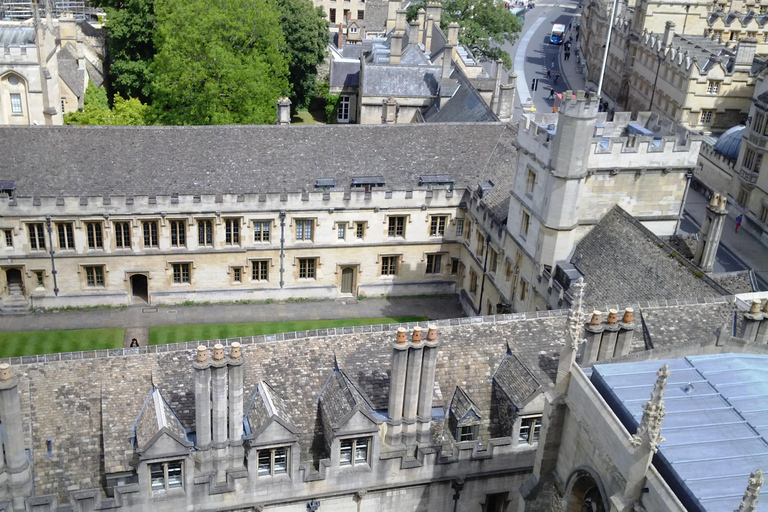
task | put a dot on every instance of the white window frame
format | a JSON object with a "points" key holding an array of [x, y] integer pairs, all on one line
{"points": [[706, 116], [272, 468], [437, 225], [530, 429], [342, 116], [352, 446], [166, 484], [713, 86], [17, 107]]}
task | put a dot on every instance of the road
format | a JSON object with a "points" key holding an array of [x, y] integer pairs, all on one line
{"points": [[532, 54]]}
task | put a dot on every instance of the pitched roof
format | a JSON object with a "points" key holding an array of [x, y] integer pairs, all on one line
{"points": [[402, 81], [465, 106], [515, 380], [266, 405], [623, 263], [96, 161], [155, 416], [341, 397], [463, 408]]}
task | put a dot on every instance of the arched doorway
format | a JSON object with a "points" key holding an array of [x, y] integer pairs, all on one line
{"points": [[585, 495], [347, 280], [139, 288], [15, 282]]}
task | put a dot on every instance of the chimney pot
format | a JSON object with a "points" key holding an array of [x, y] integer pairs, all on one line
{"points": [[401, 335], [765, 308], [400, 19], [753, 310], [202, 353], [595, 318], [715, 199], [416, 334], [235, 352], [723, 202], [432, 333], [5, 372], [628, 315], [613, 316], [218, 352]]}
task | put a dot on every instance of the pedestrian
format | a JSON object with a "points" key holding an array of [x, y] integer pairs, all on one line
{"points": [[738, 222], [549, 73], [134, 342], [557, 77], [567, 54], [551, 92]]}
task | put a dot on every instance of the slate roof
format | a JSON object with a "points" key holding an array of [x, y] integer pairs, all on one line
{"points": [[96, 161], [402, 81], [462, 406], [69, 71], [515, 380], [465, 106], [265, 405], [154, 416], [340, 397], [623, 263], [17, 36]]}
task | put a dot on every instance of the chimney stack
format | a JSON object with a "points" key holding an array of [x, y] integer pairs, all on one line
{"points": [[754, 328], [710, 233], [428, 34], [392, 8], [609, 339], [453, 34], [400, 19], [413, 33], [283, 111], [219, 398], [507, 98], [669, 34], [426, 386], [435, 10], [397, 387], [422, 18], [237, 451], [340, 38], [10, 417], [202, 368], [497, 87]]}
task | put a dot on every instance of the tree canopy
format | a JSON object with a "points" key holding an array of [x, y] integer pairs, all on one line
{"points": [[96, 110], [482, 22], [306, 36], [217, 62]]}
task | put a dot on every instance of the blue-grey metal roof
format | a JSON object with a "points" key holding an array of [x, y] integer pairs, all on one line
{"points": [[729, 143], [716, 423], [17, 36]]}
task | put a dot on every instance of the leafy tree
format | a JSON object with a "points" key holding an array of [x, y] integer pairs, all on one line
{"points": [[96, 111], [482, 22], [130, 27], [306, 36], [217, 62]]}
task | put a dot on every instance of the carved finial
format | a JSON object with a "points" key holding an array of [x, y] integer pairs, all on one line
{"points": [[749, 501], [576, 315], [649, 430]]}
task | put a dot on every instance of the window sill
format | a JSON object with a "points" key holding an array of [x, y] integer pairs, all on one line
{"points": [[167, 495]]}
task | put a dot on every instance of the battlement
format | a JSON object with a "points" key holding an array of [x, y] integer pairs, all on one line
{"points": [[579, 104], [709, 152], [18, 53]]}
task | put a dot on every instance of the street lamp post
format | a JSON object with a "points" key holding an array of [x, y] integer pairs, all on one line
{"points": [[607, 46]]}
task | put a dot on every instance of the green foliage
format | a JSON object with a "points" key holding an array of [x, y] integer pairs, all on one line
{"points": [[130, 25], [217, 62], [331, 107], [96, 111], [306, 36], [481, 22]]}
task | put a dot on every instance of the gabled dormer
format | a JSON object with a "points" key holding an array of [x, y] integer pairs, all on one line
{"points": [[464, 417], [351, 429], [519, 398], [164, 449], [272, 438]]}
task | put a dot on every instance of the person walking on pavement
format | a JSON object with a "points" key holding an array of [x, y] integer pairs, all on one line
{"points": [[549, 73], [557, 77], [738, 222], [551, 92]]}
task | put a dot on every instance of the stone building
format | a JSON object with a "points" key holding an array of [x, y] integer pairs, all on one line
{"points": [[458, 415], [414, 73], [45, 68]]}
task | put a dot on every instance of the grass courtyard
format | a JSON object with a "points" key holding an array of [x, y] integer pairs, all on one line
{"points": [[177, 333], [16, 344]]}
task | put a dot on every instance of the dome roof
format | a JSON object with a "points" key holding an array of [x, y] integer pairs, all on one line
{"points": [[728, 144]]}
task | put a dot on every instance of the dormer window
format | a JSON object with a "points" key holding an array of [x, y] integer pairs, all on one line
{"points": [[467, 433], [165, 476], [530, 428], [354, 452], [368, 182], [273, 461]]}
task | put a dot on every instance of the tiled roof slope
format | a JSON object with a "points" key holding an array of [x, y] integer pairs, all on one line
{"points": [[623, 263], [514, 378], [96, 161], [461, 405]]}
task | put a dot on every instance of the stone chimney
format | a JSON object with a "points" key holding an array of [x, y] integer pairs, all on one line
{"points": [[426, 387], [669, 34], [413, 33], [401, 19], [754, 328], [10, 417], [340, 38], [496, 87], [428, 33], [389, 111], [237, 453], [220, 441], [745, 53], [411, 387], [506, 103], [609, 339], [392, 8], [202, 368], [435, 10], [422, 18], [711, 231], [447, 61], [453, 34], [283, 111]]}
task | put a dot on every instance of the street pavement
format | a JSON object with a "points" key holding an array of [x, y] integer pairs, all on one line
{"points": [[533, 54], [737, 251]]}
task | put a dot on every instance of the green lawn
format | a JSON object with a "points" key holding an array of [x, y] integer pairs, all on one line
{"points": [[14, 344], [175, 333]]}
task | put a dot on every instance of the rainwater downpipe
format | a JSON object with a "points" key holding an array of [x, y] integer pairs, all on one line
{"points": [[53, 260], [282, 248], [485, 267]]}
